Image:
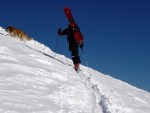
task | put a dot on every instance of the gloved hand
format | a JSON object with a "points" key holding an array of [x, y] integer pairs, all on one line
{"points": [[59, 31], [81, 46]]}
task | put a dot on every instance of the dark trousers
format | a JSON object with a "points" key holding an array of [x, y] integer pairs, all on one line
{"points": [[75, 54]]}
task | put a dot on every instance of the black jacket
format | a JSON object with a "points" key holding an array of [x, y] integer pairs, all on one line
{"points": [[70, 37]]}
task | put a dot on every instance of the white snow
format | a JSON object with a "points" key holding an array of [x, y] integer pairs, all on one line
{"points": [[33, 81]]}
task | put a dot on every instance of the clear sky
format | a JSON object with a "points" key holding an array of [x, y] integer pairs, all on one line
{"points": [[116, 32]]}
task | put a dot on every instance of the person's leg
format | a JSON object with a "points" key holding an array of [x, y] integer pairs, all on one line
{"points": [[75, 57]]}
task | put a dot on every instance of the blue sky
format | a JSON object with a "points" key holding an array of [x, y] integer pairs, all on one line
{"points": [[116, 32]]}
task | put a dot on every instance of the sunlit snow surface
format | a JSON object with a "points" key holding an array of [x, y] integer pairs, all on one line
{"points": [[32, 80]]}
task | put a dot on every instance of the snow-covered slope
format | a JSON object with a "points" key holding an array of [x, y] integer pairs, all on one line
{"points": [[33, 81]]}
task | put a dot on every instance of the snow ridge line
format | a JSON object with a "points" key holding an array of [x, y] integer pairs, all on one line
{"points": [[48, 55], [4, 34]]}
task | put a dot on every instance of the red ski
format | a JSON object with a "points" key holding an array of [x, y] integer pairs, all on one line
{"points": [[77, 34]]}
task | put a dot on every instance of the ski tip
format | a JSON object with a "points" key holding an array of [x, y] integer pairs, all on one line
{"points": [[66, 8]]}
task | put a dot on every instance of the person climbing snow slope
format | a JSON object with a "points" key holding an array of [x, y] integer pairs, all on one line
{"points": [[73, 45]]}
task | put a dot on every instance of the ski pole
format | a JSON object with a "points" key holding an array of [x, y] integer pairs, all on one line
{"points": [[56, 45], [86, 61]]}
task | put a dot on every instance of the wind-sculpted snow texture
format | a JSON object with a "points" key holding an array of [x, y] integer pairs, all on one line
{"points": [[32, 80]]}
